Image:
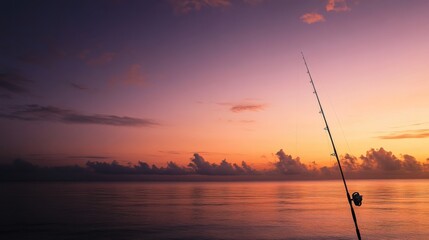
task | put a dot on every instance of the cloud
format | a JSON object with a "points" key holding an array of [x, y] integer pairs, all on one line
{"points": [[419, 133], [242, 107], [34, 112], [109, 168], [380, 160], [13, 82], [311, 18], [411, 164], [337, 6], [141, 168], [23, 166], [350, 163], [247, 107], [288, 165], [376, 163], [187, 6], [203, 167]]}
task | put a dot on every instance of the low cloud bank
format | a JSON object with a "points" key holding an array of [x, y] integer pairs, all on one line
{"points": [[375, 163]]}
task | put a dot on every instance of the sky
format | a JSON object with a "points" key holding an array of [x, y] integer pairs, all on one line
{"points": [[158, 81]]}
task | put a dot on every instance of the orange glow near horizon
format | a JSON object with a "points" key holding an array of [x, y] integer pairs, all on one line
{"points": [[226, 81]]}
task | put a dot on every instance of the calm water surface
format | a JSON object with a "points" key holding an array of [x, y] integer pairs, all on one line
{"points": [[392, 209]]}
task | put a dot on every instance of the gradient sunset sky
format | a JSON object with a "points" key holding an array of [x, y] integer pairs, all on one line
{"points": [[160, 80]]}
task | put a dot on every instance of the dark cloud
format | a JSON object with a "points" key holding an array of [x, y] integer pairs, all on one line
{"points": [[350, 163], [34, 112], [110, 168], [376, 163], [13, 82], [173, 169], [380, 160], [141, 168], [245, 168], [419, 133], [23, 166], [288, 165], [203, 167], [411, 164]]}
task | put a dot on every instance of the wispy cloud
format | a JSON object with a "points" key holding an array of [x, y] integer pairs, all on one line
{"points": [[34, 112], [311, 18], [419, 133], [247, 107], [337, 6], [243, 107], [13, 82], [331, 6]]}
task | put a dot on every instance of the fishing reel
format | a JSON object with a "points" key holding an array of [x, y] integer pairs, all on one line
{"points": [[356, 198]]}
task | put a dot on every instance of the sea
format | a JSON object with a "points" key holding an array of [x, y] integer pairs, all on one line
{"points": [[391, 209]]}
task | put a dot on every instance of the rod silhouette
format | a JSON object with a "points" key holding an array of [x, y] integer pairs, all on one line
{"points": [[357, 199]]}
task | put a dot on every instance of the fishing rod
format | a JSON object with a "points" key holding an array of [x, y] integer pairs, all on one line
{"points": [[356, 197]]}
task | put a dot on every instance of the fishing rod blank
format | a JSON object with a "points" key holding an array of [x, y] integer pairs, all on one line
{"points": [[356, 197]]}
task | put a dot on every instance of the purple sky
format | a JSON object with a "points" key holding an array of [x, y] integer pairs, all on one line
{"points": [[161, 80]]}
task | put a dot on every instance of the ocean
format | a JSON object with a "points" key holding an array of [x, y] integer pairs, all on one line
{"points": [[391, 209]]}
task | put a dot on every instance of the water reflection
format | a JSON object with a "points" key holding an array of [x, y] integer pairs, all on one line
{"points": [[394, 209]]}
